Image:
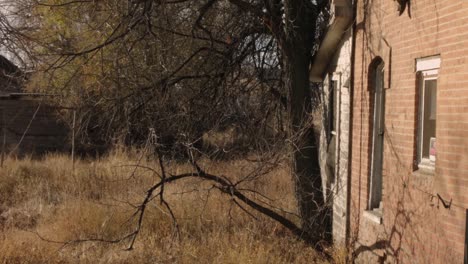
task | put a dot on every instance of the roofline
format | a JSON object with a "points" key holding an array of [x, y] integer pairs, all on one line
{"points": [[13, 96]]}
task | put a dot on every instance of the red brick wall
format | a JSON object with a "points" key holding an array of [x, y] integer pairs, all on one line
{"points": [[416, 227]]}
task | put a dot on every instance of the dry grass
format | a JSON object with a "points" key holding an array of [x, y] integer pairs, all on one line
{"points": [[44, 197]]}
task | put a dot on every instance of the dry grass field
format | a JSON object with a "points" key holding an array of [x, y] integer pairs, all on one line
{"points": [[42, 203]]}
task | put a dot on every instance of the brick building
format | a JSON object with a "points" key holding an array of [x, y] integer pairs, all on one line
{"points": [[408, 159]]}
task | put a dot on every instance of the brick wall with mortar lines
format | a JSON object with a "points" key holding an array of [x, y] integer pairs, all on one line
{"points": [[416, 227]]}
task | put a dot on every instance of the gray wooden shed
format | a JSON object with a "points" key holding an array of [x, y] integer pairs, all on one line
{"points": [[28, 123]]}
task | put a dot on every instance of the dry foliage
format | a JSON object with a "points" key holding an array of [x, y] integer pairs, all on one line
{"points": [[42, 202]]}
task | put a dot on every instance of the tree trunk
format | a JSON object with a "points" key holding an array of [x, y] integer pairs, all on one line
{"points": [[305, 160]]}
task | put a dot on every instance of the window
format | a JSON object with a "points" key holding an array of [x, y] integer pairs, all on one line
{"points": [[378, 125], [376, 139], [427, 70], [333, 106], [332, 125]]}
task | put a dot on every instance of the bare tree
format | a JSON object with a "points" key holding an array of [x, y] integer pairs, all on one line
{"points": [[186, 68]]}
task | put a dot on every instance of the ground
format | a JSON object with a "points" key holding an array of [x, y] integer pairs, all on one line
{"points": [[44, 203]]}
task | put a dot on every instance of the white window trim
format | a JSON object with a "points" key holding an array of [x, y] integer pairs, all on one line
{"points": [[428, 63]]}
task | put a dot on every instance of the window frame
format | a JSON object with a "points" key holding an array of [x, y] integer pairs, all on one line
{"points": [[427, 69], [335, 130], [378, 129], [334, 107], [377, 110]]}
